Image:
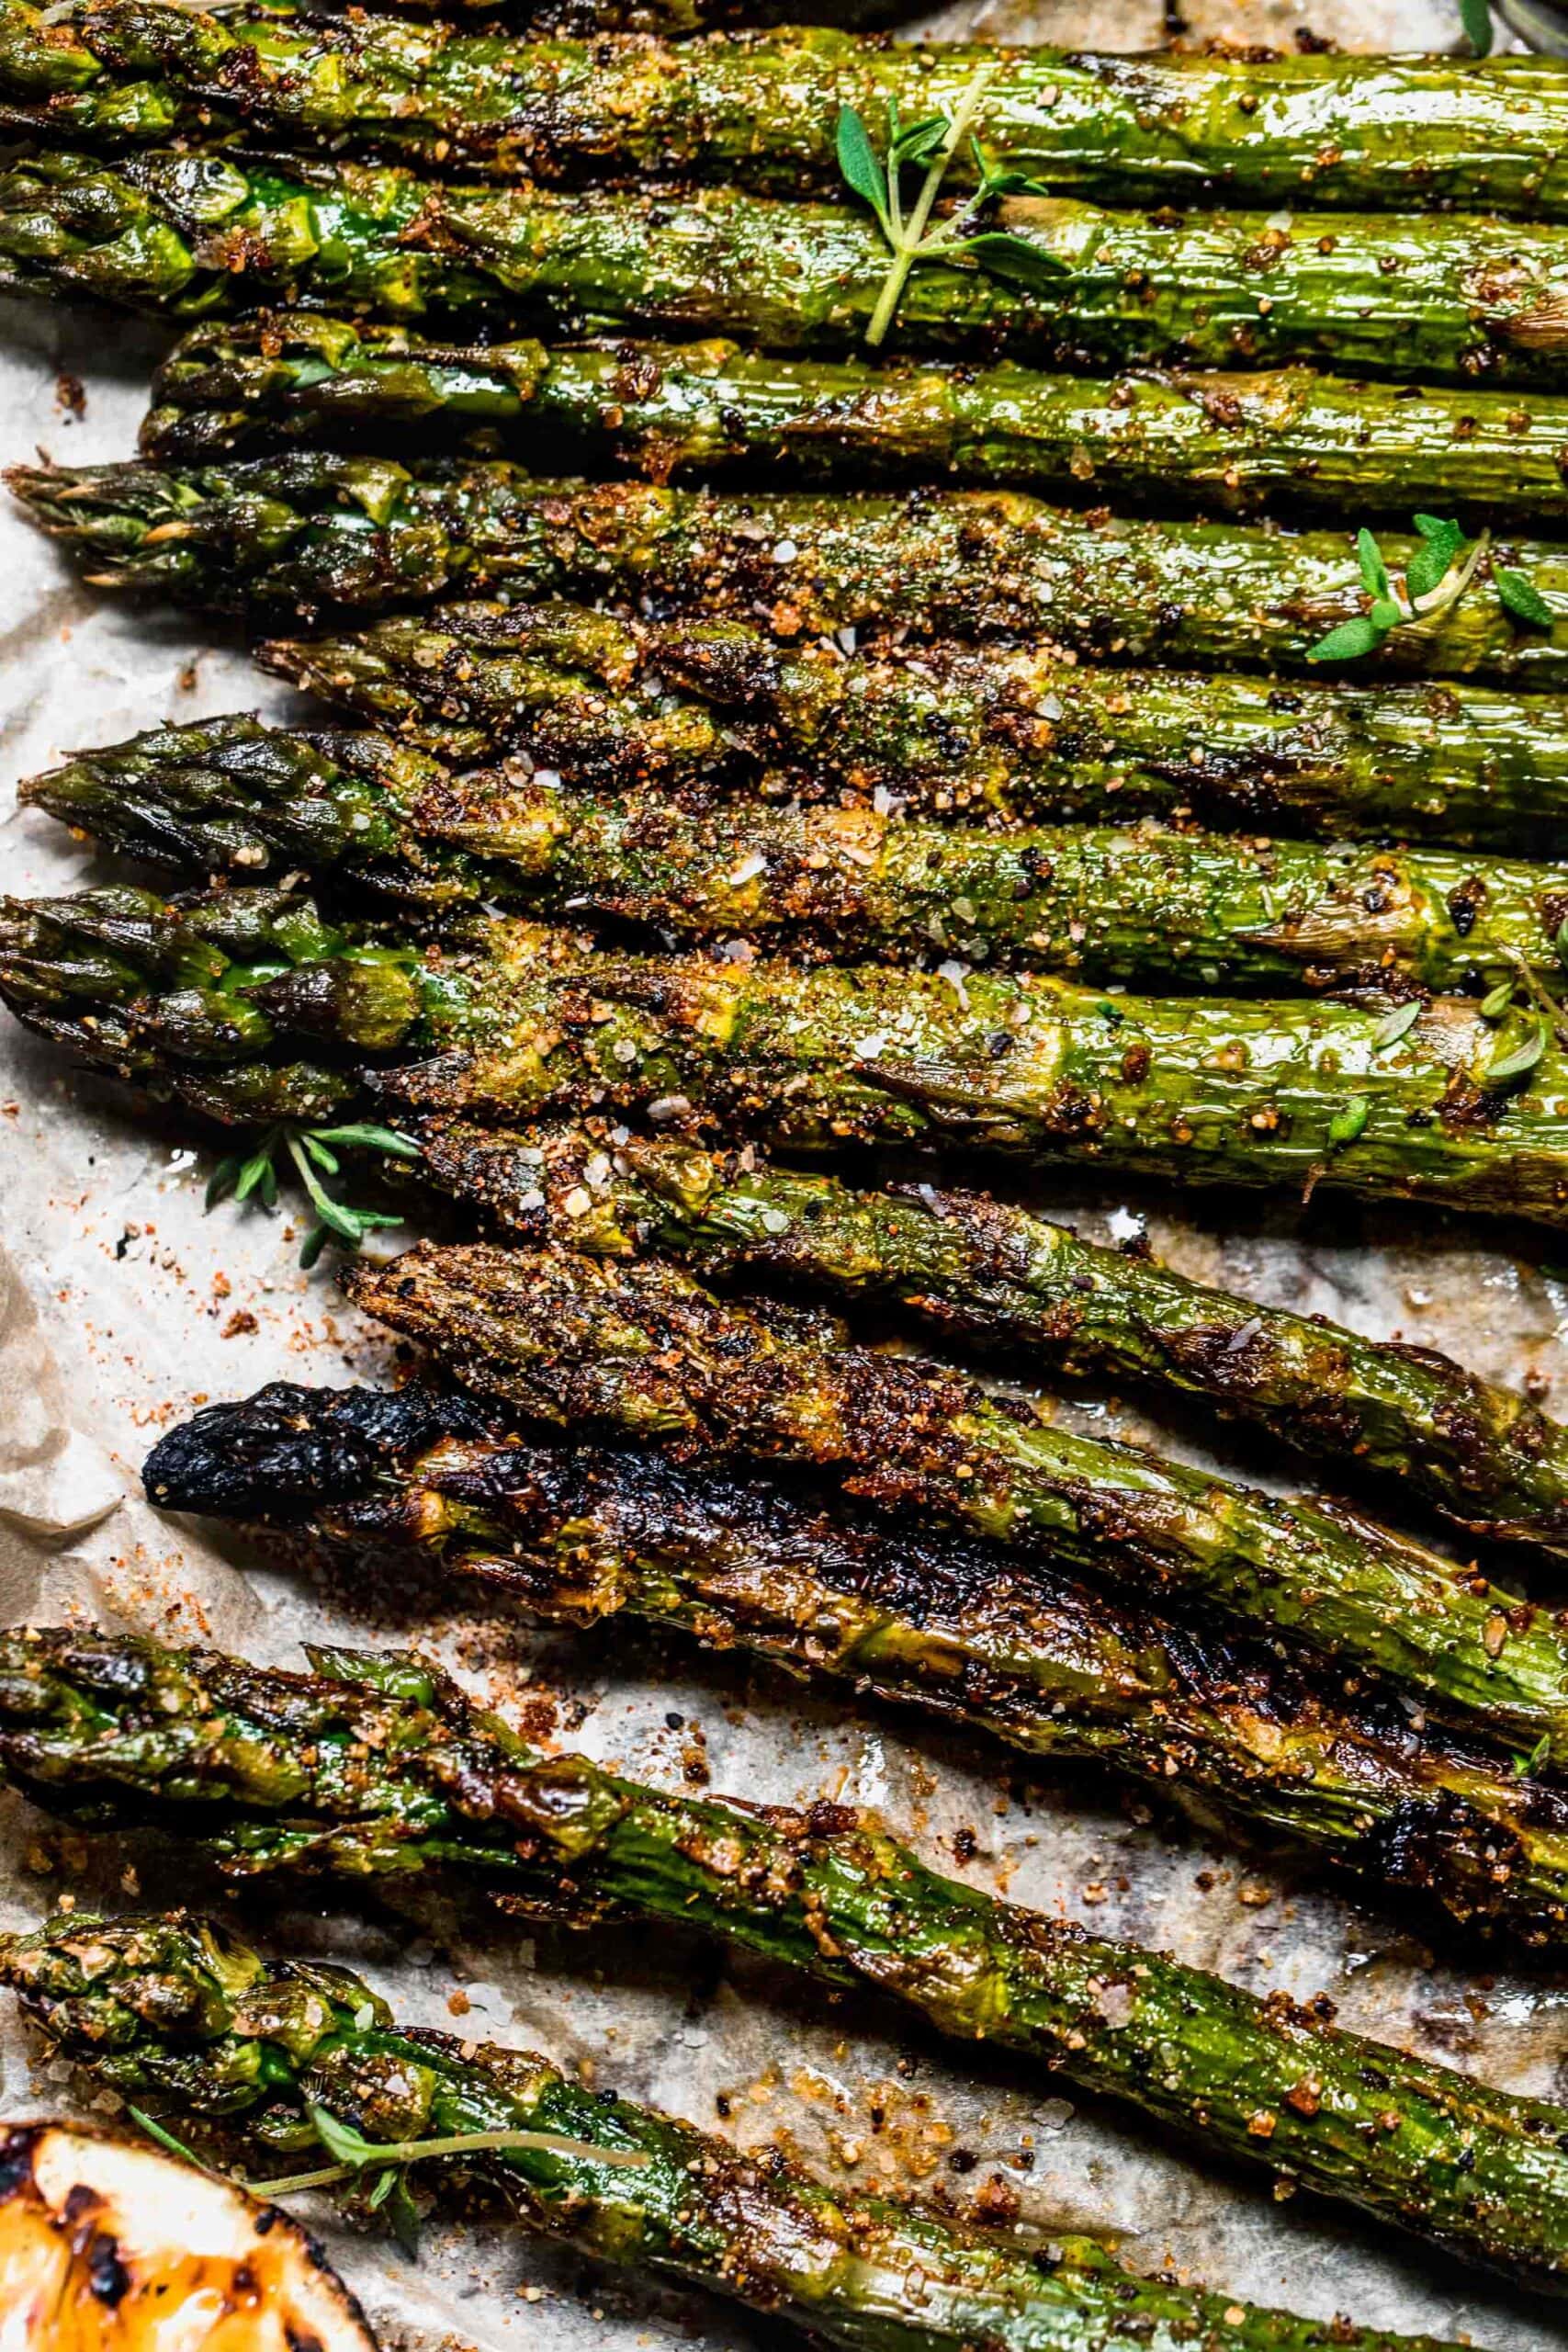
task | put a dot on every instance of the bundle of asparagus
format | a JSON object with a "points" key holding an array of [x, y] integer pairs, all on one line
{"points": [[848, 769], [274, 2062], [1359, 133], [943, 1623], [375, 1766]]}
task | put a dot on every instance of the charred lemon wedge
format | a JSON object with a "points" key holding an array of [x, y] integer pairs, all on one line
{"points": [[110, 2246]]}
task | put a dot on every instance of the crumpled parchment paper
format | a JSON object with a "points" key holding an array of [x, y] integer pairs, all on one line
{"points": [[122, 1307]]}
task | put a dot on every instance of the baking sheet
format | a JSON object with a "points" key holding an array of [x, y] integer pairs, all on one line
{"points": [[122, 1306]]}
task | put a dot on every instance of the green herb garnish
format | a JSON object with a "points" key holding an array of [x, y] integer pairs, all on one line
{"points": [[1441, 569], [1395, 1025], [1476, 18], [312, 1153], [929, 146]]}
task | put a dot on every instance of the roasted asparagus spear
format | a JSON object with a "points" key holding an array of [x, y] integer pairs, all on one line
{"points": [[1424, 299], [1230, 441], [1035, 1294], [1140, 904], [1018, 1652], [640, 1348], [374, 1765], [290, 2066], [1013, 733], [1372, 133], [310, 529], [207, 1002]]}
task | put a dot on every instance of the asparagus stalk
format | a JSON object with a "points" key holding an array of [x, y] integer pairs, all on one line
{"points": [[310, 529], [1034, 1293], [282, 2062], [375, 1765], [1362, 134], [1234, 441], [1018, 734], [1020, 1653], [1429, 298], [640, 1348], [232, 794], [106, 74], [1434, 1102], [1137, 904]]}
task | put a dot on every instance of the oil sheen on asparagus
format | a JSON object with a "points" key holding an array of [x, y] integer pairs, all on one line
{"points": [[311, 528], [1424, 299], [216, 1000], [1230, 441], [1376, 133], [1019, 1653], [374, 1765]]}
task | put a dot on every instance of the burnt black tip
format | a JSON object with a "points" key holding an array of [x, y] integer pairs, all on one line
{"points": [[282, 1453]]}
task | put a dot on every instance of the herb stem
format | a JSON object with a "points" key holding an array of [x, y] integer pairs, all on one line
{"points": [[907, 238], [1447, 594]]}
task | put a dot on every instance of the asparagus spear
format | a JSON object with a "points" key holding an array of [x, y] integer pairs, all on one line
{"points": [[641, 1348], [1233, 441], [1033, 1291], [1434, 298], [1013, 733], [290, 2064], [1019, 1653], [232, 794], [1133, 904], [1433, 1102], [311, 528], [1369, 133], [375, 1766]]}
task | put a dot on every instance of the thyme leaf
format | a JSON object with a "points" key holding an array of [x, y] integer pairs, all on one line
{"points": [[1476, 18], [1395, 1025], [1438, 572]]}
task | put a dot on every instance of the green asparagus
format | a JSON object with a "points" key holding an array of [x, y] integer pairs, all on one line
{"points": [[947, 1625], [285, 2065], [640, 1347], [1367, 133], [1034, 1293], [1422, 299], [1137, 904], [232, 794], [311, 529], [1011, 734], [1439, 1103], [1234, 441], [378, 1767]]}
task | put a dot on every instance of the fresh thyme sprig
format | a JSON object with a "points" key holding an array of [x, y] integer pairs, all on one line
{"points": [[929, 146], [1439, 573], [352, 2155], [312, 1151]]}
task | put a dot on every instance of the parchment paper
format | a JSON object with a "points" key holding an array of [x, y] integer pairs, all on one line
{"points": [[122, 1307]]}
